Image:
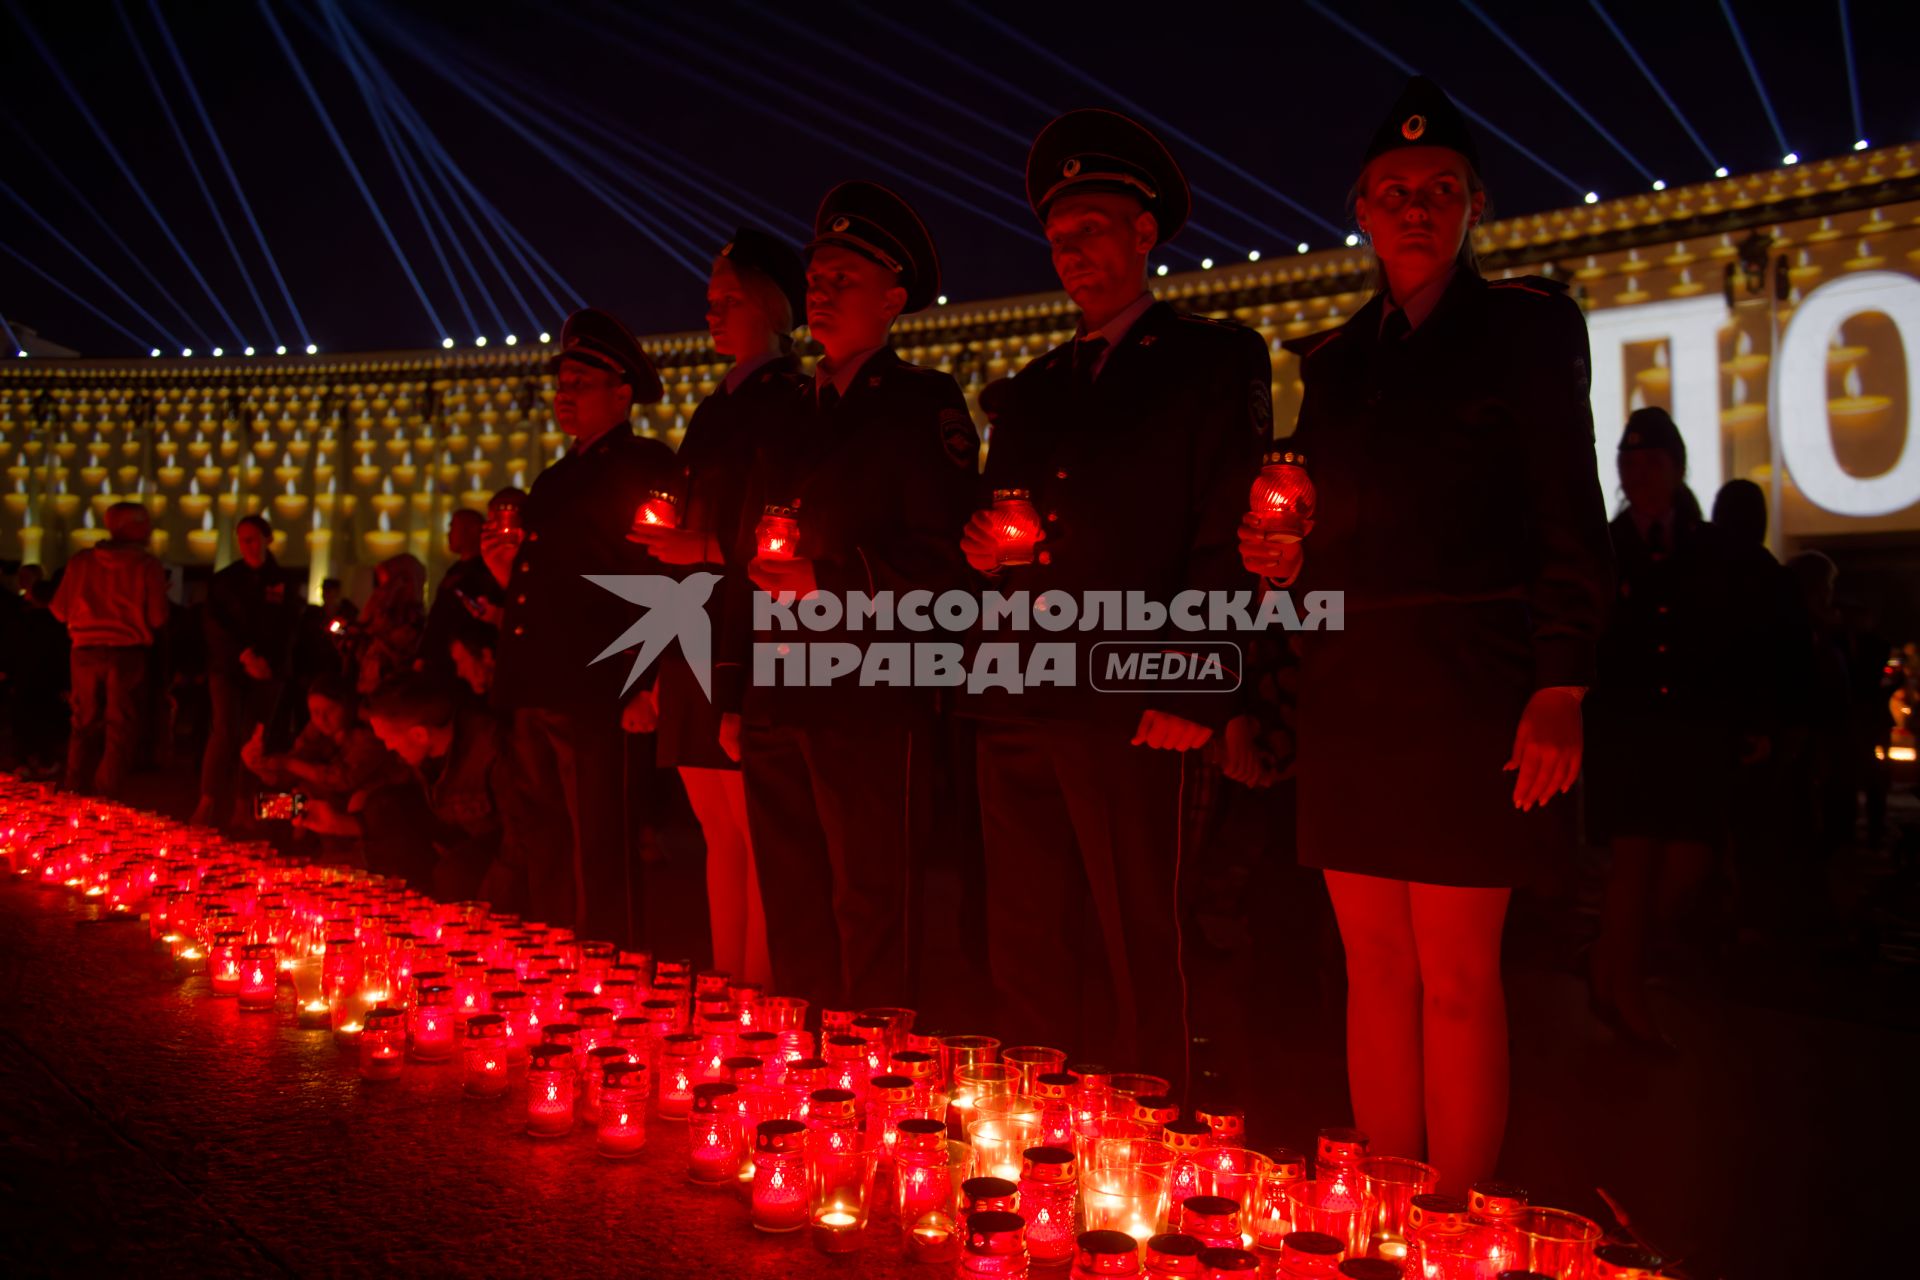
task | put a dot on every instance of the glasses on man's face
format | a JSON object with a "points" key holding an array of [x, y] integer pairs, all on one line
{"points": [[584, 385]]}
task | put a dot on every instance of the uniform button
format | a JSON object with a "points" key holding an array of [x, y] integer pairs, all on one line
{"points": [[1053, 517], [533, 537], [1060, 475], [520, 631], [1657, 648], [1663, 608], [1045, 557], [1663, 691], [520, 599]]}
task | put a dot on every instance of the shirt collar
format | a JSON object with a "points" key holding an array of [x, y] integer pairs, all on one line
{"points": [[1643, 522], [1421, 304], [744, 369], [840, 377], [1116, 329]]}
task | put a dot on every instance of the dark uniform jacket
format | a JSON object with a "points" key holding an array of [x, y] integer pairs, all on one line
{"points": [[885, 481], [577, 517], [1459, 510], [470, 578], [250, 608], [1140, 483]]}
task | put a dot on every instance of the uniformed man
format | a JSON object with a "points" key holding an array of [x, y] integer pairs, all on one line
{"points": [[882, 472], [567, 707], [1137, 440]]}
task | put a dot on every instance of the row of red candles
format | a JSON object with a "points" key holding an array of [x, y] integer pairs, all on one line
{"points": [[994, 1159]]}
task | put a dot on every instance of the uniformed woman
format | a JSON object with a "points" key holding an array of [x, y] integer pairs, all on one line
{"points": [[754, 296], [1447, 431], [1675, 675]]}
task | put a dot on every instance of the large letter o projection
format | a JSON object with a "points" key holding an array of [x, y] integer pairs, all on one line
{"points": [[1806, 439]]}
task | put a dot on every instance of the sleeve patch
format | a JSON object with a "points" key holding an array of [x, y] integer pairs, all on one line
{"points": [[958, 438]]}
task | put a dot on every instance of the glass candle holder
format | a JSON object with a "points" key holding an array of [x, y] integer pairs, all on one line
{"points": [[259, 975], [1173, 1256], [485, 1074], [974, 1081], [779, 1176], [777, 536], [1133, 1084], [922, 1175], [223, 962], [1213, 1220], [1237, 1174], [839, 1191], [1331, 1208], [1128, 1200], [660, 510], [432, 1024], [1272, 1213], [933, 1238], [1099, 1254], [678, 1073], [1226, 1263], [593, 1075], [1556, 1242], [981, 1195], [715, 1143], [1391, 1183], [966, 1051], [995, 1247], [1155, 1111], [1227, 1124], [1048, 1193], [1281, 501], [1310, 1255], [515, 1008], [620, 1131], [1030, 1061], [550, 1090], [999, 1145], [383, 1044], [1016, 526], [1054, 1093]]}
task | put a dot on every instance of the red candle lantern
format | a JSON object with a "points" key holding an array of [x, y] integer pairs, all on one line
{"points": [[1054, 1091], [660, 510], [1282, 498], [779, 1175], [598, 1061], [517, 1010], [550, 1091], [715, 1144], [223, 962], [1387, 1269], [1625, 1262], [1187, 1139], [996, 1247], [777, 536], [1228, 1124], [432, 1024], [1273, 1213], [1443, 1243], [1228, 1264], [259, 975], [1212, 1220], [1173, 1256], [1016, 526], [1310, 1255], [486, 1056], [622, 1128], [986, 1195], [678, 1074], [923, 1177], [383, 1044], [1098, 1255], [1048, 1177], [1154, 1112]]}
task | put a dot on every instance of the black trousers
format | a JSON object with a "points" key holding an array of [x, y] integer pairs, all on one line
{"points": [[584, 876], [106, 717], [836, 815], [237, 704], [1082, 836]]}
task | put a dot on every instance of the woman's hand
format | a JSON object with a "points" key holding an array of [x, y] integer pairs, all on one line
{"points": [[1268, 558], [1241, 758], [1165, 732], [498, 547], [642, 713], [730, 735], [676, 546], [1546, 746]]}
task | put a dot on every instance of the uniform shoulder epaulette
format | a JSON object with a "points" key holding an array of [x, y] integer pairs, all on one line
{"points": [[1195, 317], [1540, 285]]}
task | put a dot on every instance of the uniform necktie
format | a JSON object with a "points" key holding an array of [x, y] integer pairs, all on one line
{"points": [[1657, 540], [829, 397], [1086, 358], [1396, 328]]}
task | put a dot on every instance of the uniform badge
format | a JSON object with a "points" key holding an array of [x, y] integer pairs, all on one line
{"points": [[1070, 168], [958, 439], [1260, 407], [874, 381], [1148, 339], [1413, 128], [726, 249], [841, 224]]}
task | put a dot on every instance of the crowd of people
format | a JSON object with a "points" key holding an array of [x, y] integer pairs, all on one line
{"points": [[1501, 640]]}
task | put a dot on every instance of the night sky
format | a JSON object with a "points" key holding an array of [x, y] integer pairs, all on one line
{"points": [[679, 110]]}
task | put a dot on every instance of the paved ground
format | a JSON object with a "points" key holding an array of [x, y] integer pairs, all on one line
{"points": [[149, 1128]]}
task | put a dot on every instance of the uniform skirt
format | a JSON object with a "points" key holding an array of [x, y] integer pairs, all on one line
{"points": [[689, 733], [1407, 718]]}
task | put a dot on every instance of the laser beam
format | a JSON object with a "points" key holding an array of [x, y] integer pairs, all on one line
{"points": [[1753, 72], [1653, 82]]}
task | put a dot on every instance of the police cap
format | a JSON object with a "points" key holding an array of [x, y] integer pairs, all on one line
{"points": [[1097, 150], [754, 250], [593, 337], [1423, 116], [880, 226]]}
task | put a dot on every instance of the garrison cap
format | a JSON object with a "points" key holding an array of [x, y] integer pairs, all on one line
{"points": [[1097, 150], [877, 224], [1423, 116], [772, 257], [593, 337]]}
